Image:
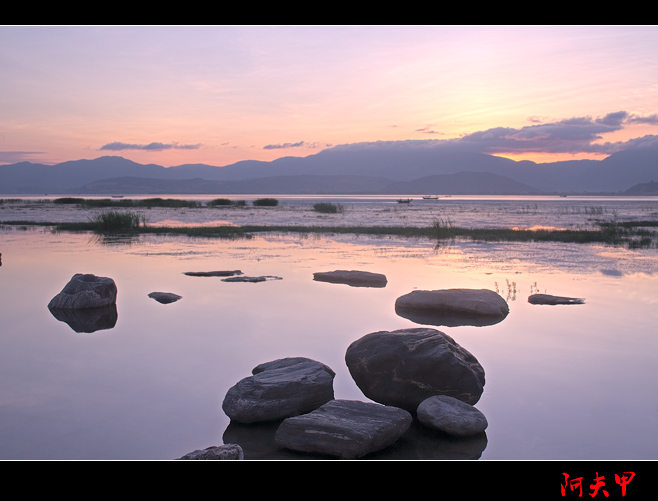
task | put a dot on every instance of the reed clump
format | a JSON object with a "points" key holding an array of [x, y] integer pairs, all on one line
{"points": [[117, 221], [328, 208]]}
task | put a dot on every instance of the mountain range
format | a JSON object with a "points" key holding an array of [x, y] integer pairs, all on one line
{"points": [[363, 168]]}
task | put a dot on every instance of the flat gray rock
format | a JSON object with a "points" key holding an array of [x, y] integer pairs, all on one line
{"points": [[348, 429], [353, 278], [213, 273], [280, 389], [451, 416], [250, 279], [85, 291], [165, 297], [553, 300], [219, 452], [404, 367], [473, 302]]}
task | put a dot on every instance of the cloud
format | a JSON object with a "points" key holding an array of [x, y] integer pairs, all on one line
{"points": [[7, 157], [117, 146], [299, 144], [572, 135]]}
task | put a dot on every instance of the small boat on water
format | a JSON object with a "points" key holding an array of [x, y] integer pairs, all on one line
{"points": [[404, 201], [430, 197]]}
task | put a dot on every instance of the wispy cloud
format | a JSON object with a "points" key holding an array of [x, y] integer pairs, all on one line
{"points": [[156, 146], [299, 144]]}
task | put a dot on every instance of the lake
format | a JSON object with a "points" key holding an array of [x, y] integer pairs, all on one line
{"points": [[574, 382]]}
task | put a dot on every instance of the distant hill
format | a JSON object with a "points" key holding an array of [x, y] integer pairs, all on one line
{"points": [[645, 189], [386, 167]]}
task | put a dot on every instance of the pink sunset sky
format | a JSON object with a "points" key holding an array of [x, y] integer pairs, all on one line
{"points": [[172, 95]]}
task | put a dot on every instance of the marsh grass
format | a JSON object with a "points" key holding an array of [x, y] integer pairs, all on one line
{"points": [[328, 208], [266, 202], [115, 221], [108, 202], [632, 234]]}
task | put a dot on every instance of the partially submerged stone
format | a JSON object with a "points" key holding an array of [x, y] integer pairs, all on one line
{"points": [[451, 416], [553, 300], [219, 452], [165, 297], [348, 429], [213, 273], [477, 303], [280, 389], [404, 367], [353, 278], [251, 279], [85, 291]]}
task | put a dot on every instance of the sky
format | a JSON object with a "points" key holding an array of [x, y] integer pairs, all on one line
{"points": [[173, 95]]}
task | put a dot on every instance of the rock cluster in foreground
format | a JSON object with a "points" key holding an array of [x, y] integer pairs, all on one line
{"points": [[400, 371]]}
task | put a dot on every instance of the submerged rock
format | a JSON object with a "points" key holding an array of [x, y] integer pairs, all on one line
{"points": [[477, 303], [404, 367], [352, 278], [280, 389], [451, 416], [165, 297], [85, 291], [348, 429], [251, 279], [219, 452], [553, 300], [213, 273]]}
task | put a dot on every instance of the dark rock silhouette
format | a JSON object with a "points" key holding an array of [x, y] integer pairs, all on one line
{"points": [[553, 300], [404, 367], [348, 429], [280, 389], [85, 291], [451, 416], [165, 297], [455, 305], [353, 278]]}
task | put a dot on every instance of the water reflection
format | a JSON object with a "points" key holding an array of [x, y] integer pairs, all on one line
{"points": [[89, 319], [418, 443], [445, 318]]}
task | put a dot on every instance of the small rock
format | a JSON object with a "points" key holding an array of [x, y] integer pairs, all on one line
{"points": [[553, 300], [213, 273], [85, 291], [280, 389], [348, 429], [451, 416], [165, 297], [352, 278], [250, 279], [221, 452]]}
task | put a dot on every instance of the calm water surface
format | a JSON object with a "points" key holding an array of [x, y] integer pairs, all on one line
{"points": [[562, 382]]}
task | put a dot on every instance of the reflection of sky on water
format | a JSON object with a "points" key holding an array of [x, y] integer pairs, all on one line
{"points": [[563, 382]]}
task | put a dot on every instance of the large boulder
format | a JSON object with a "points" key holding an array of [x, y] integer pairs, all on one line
{"points": [[451, 416], [452, 307], [280, 389], [85, 291], [348, 429], [404, 367], [353, 278]]}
